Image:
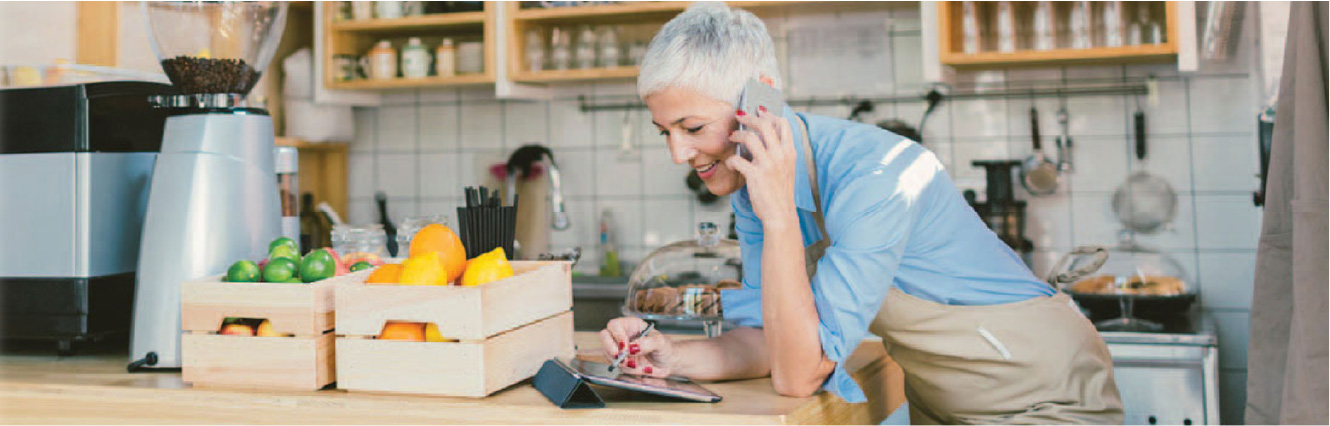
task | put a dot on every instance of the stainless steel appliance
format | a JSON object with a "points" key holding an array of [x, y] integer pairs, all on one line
{"points": [[214, 195], [1170, 376], [75, 162]]}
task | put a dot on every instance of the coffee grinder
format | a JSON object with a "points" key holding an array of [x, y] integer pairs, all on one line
{"points": [[1003, 213], [213, 198]]}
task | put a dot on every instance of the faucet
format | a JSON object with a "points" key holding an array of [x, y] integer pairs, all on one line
{"points": [[522, 161]]}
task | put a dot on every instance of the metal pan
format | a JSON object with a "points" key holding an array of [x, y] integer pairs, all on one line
{"points": [[1038, 174]]}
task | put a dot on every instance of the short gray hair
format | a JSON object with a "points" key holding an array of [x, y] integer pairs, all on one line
{"points": [[711, 49]]}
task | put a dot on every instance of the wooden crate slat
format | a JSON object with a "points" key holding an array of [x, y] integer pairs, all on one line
{"points": [[539, 290], [466, 369], [258, 362]]}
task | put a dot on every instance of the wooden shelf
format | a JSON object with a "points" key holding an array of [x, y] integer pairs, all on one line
{"points": [[412, 23], [950, 49], [307, 145], [1144, 53], [605, 10], [635, 8], [355, 37], [411, 83], [551, 76]]}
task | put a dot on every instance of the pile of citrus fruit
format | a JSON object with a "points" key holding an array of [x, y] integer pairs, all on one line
{"points": [[285, 265], [437, 257]]}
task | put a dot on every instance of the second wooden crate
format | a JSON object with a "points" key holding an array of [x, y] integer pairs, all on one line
{"points": [[302, 359]]}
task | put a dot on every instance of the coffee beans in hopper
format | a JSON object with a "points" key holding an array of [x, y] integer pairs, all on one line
{"points": [[207, 75]]}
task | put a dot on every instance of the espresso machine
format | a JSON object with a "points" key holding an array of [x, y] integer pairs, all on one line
{"points": [[75, 165], [213, 198]]}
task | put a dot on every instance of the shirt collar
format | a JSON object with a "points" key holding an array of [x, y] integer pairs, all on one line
{"points": [[803, 193]]}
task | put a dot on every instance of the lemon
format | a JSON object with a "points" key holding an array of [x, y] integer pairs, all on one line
{"points": [[488, 267]]}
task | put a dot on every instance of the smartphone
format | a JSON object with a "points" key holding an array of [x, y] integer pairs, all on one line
{"points": [[758, 94]]}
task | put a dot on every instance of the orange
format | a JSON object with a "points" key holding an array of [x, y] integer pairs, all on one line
{"points": [[424, 269], [438, 238], [386, 274], [488, 267], [408, 331]]}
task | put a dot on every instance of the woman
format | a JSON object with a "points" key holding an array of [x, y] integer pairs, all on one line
{"points": [[847, 229]]}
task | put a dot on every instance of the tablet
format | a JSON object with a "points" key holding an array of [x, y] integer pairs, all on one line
{"points": [[673, 386]]}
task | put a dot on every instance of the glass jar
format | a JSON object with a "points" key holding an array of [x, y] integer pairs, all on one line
{"points": [[349, 240], [412, 224], [680, 284]]}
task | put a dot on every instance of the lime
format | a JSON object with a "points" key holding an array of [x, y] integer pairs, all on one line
{"points": [[284, 252], [243, 272], [280, 270], [361, 265], [294, 281], [283, 242], [317, 265]]}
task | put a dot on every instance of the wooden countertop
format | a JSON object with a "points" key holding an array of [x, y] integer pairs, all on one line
{"points": [[38, 387]]}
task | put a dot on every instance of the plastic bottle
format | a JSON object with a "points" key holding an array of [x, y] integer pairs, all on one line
{"points": [[609, 265], [445, 59]]}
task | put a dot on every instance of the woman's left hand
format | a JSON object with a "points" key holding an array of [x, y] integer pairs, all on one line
{"points": [[770, 175]]}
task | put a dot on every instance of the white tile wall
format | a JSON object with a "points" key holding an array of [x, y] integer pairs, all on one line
{"points": [[422, 146]]}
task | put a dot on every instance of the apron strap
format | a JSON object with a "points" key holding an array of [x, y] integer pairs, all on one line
{"points": [[811, 166]]}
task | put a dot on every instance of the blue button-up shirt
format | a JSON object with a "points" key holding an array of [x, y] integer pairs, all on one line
{"points": [[895, 219]]}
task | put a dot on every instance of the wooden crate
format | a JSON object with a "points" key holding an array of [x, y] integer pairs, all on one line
{"points": [[505, 330], [537, 290], [465, 368], [303, 361]]}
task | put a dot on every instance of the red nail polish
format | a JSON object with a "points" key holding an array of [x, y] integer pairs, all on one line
{"points": [[740, 112], [647, 370], [634, 349], [761, 109], [631, 364], [620, 345]]}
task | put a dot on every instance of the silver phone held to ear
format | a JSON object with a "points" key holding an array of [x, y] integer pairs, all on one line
{"points": [[758, 94]]}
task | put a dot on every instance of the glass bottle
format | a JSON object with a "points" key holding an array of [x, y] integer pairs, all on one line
{"points": [[1043, 26], [608, 40], [313, 232], [561, 49], [586, 48], [1111, 14], [1079, 25], [535, 51], [970, 27], [1006, 27]]}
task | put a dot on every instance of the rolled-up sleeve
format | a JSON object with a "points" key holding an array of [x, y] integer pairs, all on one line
{"points": [[743, 307]]}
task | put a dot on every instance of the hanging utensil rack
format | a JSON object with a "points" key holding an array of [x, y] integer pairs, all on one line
{"points": [[1139, 87]]}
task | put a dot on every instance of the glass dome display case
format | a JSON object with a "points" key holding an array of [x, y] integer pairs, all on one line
{"points": [[679, 284], [1129, 283]]}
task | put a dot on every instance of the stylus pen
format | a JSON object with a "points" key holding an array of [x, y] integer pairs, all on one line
{"points": [[624, 354]]}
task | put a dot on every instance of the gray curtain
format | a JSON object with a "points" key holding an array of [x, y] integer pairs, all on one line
{"points": [[1287, 360]]}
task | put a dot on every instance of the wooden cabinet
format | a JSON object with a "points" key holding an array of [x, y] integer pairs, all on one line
{"points": [[950, 31], [354, 38]]}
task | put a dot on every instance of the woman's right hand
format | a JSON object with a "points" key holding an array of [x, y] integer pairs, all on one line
{"points": [[652, 355]]}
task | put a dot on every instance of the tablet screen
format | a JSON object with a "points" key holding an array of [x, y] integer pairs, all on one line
{"points": [[674, 386]]}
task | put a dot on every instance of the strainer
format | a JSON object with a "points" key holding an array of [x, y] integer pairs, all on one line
{"points": [[1145, 203]]}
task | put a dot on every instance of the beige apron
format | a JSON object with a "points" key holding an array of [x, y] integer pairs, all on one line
{"points": [[1034, 361]]}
